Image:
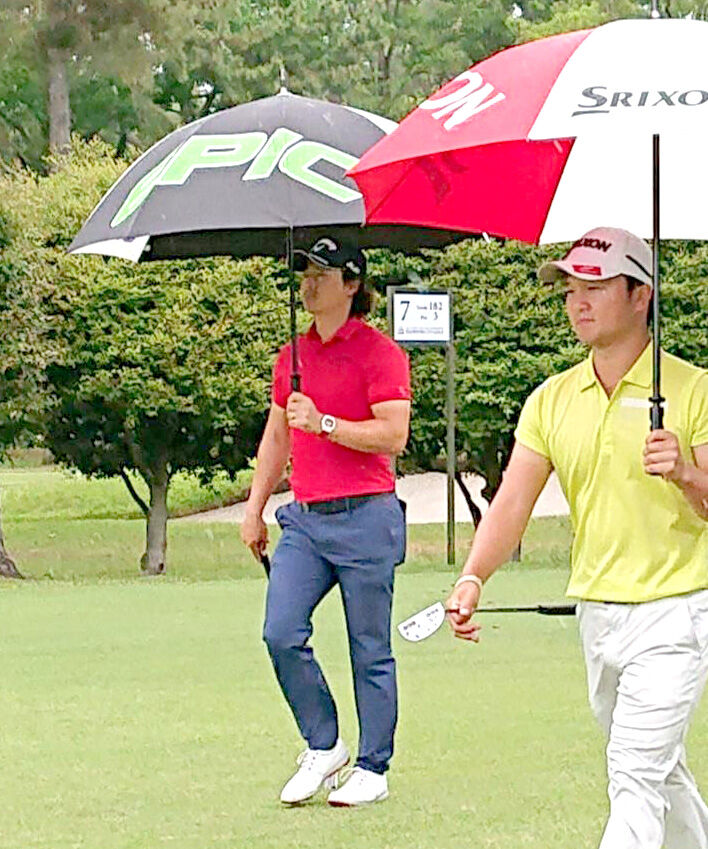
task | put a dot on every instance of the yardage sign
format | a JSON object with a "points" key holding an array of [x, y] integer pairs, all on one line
{"points": [[417, 317]]}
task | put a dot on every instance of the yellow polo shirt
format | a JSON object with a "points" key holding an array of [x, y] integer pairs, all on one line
{"points": [[636, 536]]}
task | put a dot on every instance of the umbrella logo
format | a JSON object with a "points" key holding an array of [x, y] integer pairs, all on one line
{"points": [[468, 99], [288, 151], [692, 97]]}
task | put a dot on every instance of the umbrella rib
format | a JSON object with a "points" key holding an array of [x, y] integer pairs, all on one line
{"points": [[555, 190]]}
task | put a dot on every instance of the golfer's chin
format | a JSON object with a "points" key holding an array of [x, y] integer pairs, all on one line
{"points": [[309, 303], [586, 331]]}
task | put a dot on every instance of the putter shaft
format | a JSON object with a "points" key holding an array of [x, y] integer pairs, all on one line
{"points": [[543, 609]]}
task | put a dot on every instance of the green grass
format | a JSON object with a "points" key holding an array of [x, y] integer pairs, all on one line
{"points": [[140, 715], [63, 526], [143, 713], [47, 492], [109, 549]]}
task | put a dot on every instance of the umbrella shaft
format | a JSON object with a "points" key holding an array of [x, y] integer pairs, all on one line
{"points": [[657, 402], [295, 368]]}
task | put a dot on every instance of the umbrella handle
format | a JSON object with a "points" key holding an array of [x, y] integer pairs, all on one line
{"points": [[295, 377]]}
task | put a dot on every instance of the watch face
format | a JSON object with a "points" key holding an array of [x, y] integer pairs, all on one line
{"points": [[328, 423]]}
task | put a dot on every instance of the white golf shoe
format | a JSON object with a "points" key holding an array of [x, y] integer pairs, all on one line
{"points": [[361, 788], [318, 767]]}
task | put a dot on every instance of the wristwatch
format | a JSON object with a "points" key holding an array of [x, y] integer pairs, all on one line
{"points": [[328, 424]]}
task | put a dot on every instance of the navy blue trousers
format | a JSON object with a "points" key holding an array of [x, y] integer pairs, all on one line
{"points": [[357, 549]]}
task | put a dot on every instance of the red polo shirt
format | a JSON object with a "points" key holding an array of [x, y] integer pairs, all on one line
{"points": [[359, 366]]}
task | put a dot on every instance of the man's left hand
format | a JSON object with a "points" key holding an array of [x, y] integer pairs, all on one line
{"points": [[302, 413], [662, 455]]}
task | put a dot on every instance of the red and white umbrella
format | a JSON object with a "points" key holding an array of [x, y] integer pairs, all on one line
{"points": [[544, 141]]}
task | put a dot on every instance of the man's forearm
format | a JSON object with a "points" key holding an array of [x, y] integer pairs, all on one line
{"points": [[372, 436], [497, 537], [270, 466], [694, 486]]}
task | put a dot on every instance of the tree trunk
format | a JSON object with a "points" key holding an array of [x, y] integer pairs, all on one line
{"points": [[488, 492], [153, 561], [59, 109], [474, 510], [7, 565]]}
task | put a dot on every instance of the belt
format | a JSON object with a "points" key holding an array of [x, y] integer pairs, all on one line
{"points": [[339, 505]]}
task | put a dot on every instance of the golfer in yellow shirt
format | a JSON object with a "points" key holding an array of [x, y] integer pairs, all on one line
{"points": [[639, 511]]}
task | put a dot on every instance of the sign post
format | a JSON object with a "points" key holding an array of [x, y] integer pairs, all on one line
{"points": [[420, 317]]}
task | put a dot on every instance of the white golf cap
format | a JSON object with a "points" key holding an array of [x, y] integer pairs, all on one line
{"points": [[600, 254]]}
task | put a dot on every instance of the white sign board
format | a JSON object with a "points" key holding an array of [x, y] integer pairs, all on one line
{"points": [[420, 316]]}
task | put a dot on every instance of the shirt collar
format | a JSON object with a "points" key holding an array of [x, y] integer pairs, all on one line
{"points": [[588, 377], [346, 331], [639, 373]]}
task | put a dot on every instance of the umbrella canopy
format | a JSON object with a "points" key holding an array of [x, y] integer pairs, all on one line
{"points": [[544, 141], [240, 181], [261, 178]]}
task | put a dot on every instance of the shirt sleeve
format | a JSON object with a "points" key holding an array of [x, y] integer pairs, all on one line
{"points": [[699, 412], [280, 388], [529, 430], [389, 375]]}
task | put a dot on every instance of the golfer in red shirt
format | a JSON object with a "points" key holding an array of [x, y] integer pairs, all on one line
{"points": [[344, 527]]}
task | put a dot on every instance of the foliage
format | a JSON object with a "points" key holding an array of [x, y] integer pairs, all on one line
{"points": [[510, 334], [137, 68], [108, 64], [154, 368], [542, 18], [23, 115], [684, 293], [168, 360]]}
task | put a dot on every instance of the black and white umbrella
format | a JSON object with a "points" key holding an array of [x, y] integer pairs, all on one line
{"points": [[261, 178], [238, 182]]}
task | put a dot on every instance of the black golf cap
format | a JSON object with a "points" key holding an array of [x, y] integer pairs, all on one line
{"points": [[330, 252]]}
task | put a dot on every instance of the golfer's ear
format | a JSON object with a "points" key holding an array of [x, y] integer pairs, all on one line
{"points": [[352, 286], [643, 296]]}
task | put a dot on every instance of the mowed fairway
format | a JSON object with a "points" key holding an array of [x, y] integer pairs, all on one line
{"points": [[144, 714]]}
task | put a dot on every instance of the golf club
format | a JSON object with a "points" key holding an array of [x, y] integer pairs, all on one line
{"points": [[265, 561], [427, 621]]}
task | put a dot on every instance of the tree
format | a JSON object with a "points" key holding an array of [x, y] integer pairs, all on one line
{"points": [[15, 371], [510, 334], [383, 55], [167, 369], [82, 66], [541, 18], [155, 368], [23, 350]]}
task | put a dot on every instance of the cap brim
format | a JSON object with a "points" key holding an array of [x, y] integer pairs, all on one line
{"points": [[301, 258], [551, 272]]}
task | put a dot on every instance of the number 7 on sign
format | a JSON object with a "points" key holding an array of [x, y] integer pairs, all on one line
{"points": [[406, 304]]}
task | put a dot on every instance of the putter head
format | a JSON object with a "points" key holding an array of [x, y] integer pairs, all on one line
{"points": [[423, 624]]}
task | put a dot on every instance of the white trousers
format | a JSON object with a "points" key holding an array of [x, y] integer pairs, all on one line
{"points": [[646, 667]]}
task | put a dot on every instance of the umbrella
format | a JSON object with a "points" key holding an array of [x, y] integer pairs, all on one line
{"points": [[546, 140], [261, 178]]}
